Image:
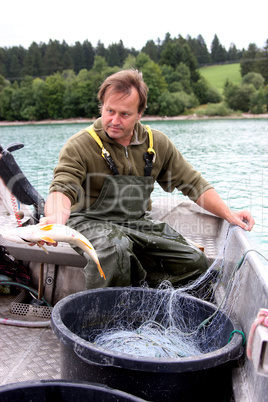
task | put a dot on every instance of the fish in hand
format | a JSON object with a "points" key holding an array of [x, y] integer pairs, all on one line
{"points": [[52, 233]]}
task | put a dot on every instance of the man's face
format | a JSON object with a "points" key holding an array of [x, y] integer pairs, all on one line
{"points": [[119, 115]]}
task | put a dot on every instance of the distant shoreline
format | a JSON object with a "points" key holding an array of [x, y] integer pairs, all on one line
{"points": [[144, 118]]}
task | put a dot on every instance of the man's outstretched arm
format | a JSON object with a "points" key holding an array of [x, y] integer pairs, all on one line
{"points": [[212, 202]]}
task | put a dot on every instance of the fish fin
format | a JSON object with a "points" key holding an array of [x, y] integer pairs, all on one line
{"points": [[47, 239], [47, 227], [42, 247]]}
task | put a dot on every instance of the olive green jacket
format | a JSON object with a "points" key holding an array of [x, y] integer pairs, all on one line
{"points": [[81, 169]]}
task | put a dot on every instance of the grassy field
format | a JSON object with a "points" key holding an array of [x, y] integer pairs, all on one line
{"points": [[217, 75]]}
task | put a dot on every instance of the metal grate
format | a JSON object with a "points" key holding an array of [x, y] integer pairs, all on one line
{"points": [[28, 310]]}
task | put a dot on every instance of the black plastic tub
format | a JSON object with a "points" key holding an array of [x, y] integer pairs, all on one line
{"points": [[61, 391], [207, 375]]}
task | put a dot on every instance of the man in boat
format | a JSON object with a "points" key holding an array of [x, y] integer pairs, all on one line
{"points": [[102, 186]]}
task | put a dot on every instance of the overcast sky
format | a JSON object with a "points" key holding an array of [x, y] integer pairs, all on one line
{"points": [[135, 22]]}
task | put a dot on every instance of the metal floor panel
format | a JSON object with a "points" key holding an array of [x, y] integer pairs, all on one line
{"points": [[26, 353]]}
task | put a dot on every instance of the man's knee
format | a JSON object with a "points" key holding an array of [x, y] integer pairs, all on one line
{"points": [[115, 259]]}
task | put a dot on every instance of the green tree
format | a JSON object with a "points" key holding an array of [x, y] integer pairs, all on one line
{"points": [[152, 50], [266, 95], [88, 55], [97, 75], [258, 102], [199, 48], [169, 74], [213, 95], [100, 49], [113, 57], [116, 54], [170, 104], [172, 54], [219, 109], [248, 62], [130, 62], [6, 111], [3, 83], [255, 60], [32, 64], [201, 90], [238, 97], [184, 77], [3, 70], [174, 104], [178, 51], [15, 60], [66, 56], [87, 101], [24, 100], [178, 79], [255, 79], [40, 100], [162, 45], [52, 60], [218, 52], [263, 63], [100, 64], [233, 54], [70, 103], [154, 79], [141, 60], [77, 55], [54, 93]]}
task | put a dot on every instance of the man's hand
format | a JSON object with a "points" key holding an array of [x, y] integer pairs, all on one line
{"points": [[42, 243], [57, 210], [242, 219]]}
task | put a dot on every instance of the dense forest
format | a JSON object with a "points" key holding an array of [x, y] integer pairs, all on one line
{"points": [[56, 80]]}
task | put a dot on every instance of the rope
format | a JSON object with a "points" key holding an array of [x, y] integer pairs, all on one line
{"points": [[239, 332], [15, 209]]}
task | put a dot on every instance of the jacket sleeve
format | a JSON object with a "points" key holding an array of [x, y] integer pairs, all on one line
{"points": [[70, 172]]}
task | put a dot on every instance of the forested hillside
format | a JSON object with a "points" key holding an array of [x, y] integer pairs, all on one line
{"points": [[56, 80], [45, 59]]}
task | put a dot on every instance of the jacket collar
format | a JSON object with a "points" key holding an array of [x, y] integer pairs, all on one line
{"points": [[139, 137]]}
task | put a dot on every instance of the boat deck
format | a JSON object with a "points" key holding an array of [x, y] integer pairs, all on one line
{"points": [[26, 353], [34, 353]]}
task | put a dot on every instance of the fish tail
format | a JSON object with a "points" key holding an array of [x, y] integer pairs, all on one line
{"points": [[92, 253], [102, 274]]}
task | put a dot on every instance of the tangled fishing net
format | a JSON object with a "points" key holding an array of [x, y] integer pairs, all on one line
{"points": [[173, 323]]}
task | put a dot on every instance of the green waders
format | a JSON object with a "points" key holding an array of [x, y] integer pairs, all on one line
{"points": [[131, 247]]}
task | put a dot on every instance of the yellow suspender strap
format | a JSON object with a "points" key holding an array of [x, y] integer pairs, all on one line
{"points": [[150, 150], [91, 131], [106, 153]]}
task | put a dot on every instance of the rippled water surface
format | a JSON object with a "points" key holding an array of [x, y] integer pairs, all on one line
{"points": [[231, 154]]}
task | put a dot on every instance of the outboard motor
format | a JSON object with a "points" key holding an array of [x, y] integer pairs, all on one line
{"points": [[16, 181]]}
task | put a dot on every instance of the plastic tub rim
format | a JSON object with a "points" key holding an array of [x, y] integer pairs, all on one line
{"points": [[30, 384], [101, 356]]}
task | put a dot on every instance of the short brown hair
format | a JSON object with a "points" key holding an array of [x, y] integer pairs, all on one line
{"points": [[122, 82]]}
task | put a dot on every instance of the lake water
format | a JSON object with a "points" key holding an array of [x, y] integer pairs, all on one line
{"points": [[231, 155]]}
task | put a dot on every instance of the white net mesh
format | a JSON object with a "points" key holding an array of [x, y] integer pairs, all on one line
{"points": [[170, 322]]}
